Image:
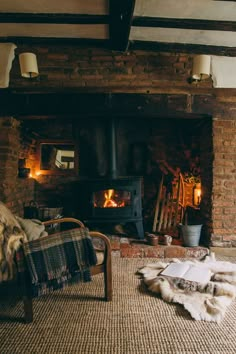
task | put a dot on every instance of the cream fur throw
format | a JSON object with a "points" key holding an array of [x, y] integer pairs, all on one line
{"points": [[32, 227], [11, 236], [207, 302]]}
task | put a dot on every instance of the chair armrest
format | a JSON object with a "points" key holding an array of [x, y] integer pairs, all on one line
{"points": [[103, 237], [59, 221], [91, 233]]}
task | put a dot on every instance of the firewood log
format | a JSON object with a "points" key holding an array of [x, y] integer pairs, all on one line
{"points": [[157, 208]]}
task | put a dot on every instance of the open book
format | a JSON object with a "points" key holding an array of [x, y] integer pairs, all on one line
{"points": [[188, 272]]}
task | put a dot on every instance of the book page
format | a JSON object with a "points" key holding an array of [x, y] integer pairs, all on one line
{"points": [[198, 274], [188, 272], [176, 270]]}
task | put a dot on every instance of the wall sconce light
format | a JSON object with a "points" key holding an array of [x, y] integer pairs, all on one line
{"points": [[28, 65], [201, 67], [197, 194]]}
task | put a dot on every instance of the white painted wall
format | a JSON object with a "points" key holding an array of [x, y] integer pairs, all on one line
{"points": [[7, 55]]}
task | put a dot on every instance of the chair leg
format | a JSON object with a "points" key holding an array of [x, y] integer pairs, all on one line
{"points": [[28, 309], [108, 284]]}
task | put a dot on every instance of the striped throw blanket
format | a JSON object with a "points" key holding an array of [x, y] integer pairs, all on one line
{"points": [[54, 261]]}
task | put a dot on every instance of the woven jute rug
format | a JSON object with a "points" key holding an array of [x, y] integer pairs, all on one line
{"points": [[76, 320]]}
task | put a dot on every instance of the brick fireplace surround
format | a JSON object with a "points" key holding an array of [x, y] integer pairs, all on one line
{"points": [[218, 141], [16, 191]]}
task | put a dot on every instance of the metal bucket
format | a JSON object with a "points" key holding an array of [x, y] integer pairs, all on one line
{"points": [[191, 235]]}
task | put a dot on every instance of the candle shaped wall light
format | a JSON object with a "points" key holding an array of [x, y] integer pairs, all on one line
{"points": [[28, 65], [197, 194]]}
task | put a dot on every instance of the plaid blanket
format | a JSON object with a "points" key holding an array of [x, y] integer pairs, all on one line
{"points": [[54, 261]]}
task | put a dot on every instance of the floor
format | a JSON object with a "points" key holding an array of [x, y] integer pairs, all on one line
{"points": [[76, 320]]}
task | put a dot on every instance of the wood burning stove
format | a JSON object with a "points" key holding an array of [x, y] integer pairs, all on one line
{"points": [[116, 201], [111, 199]]}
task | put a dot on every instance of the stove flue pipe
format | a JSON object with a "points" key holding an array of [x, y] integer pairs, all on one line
{"points": [[112, 149]]}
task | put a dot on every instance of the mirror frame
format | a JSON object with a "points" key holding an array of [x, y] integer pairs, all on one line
{"points": [[69, 172]]}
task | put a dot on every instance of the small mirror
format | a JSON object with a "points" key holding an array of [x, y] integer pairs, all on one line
{"points": [[57, 157]]}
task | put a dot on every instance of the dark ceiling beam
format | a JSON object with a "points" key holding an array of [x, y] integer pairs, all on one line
{"points": [[182, 48], [101, 43], [121, 14], [184, 23], [52, 18]]}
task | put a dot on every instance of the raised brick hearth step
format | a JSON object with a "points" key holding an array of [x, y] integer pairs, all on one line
{"points": [[133, 248]]}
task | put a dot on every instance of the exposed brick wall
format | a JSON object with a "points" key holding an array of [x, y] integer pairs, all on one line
{"points": [[224, 182], [14, 191], [80, 67]]}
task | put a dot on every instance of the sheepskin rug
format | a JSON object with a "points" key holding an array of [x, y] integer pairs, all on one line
{"points": [[207, 302]]}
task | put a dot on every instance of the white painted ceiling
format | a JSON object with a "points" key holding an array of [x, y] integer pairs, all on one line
{"points": [[195, 9], [222, 36], [95, 7], [186, 9]]}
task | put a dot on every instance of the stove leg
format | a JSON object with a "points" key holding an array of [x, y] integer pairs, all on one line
{"points": [[139, 227]]}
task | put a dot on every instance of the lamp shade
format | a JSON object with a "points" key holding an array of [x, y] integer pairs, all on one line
{"points": [[201, 67], [28, 65]]}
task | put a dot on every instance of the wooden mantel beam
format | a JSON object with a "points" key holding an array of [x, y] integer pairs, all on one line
{"points": [[100, 105], [190, 89], [105, 105]]}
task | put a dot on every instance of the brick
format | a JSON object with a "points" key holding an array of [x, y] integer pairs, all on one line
{"points": [[154, 252], [233, 243], [220, 244], [125, 58], [57, 57], [218, 224], [102, 58], [183, 59], [221, 232], [138, 69], [196, 252], [228, 211], [131, 252], [175, 252], [92, 77]]}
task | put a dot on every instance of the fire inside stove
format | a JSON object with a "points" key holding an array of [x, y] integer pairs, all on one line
{"points": [[112, 198]]}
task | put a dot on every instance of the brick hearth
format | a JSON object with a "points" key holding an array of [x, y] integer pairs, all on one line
{"points": [[133, 248]]}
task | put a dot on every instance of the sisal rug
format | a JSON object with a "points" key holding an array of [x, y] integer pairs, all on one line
{"points": [[76, 320]]}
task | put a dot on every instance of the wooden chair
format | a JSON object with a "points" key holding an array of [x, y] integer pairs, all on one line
{"points": [[103, 266]]}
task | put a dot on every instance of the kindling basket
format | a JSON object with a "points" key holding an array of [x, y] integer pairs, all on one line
{"points": [[46, 213], [31, 210]]}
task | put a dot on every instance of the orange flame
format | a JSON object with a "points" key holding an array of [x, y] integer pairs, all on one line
{"points": [[109, 200]]}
